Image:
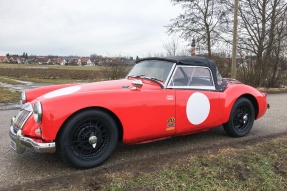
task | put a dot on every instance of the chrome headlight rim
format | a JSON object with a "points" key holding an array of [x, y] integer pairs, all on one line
{"points": [[38, 112], [23, 98]]}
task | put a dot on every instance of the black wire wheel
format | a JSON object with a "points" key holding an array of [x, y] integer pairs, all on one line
{"points": [[241, 118], [87, 139]]}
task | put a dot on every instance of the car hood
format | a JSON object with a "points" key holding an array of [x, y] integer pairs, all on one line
{"points": [[114, 85]]}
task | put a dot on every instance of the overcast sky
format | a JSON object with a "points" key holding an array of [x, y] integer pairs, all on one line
{"points": [[74, 27]]}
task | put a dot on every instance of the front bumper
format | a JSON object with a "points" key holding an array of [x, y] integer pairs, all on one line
{"points": [[19, 143]]}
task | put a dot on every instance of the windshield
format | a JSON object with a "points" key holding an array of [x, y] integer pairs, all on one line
{"points": [[153, 69]]}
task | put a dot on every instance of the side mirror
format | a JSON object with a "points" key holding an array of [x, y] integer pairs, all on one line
{"points": [[137, 84]]}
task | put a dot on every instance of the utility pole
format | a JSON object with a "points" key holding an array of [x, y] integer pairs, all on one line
{"points": [[235, 23], [193, 47]]}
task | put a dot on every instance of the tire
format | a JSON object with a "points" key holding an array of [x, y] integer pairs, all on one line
{"points": [[87, 139], [241, 118]]}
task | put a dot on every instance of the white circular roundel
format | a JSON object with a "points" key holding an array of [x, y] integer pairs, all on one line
{"points": [[62, 91], [197, 108]]}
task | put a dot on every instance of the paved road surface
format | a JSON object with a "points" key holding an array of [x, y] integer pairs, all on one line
{"points": [[32, 167]]}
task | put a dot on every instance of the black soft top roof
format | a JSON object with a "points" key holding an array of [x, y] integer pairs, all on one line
{"points": [[192, 61], [186, 60]]}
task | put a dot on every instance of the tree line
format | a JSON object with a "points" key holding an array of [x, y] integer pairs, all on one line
{"points": [[262, 36]]}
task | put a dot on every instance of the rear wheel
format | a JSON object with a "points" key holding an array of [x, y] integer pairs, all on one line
{"points": [[241, 118], [88, 139]]}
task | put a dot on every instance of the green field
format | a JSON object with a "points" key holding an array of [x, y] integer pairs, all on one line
{"points": [[33, 66], [55, 74]]}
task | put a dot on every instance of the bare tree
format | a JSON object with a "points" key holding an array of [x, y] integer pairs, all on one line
{"points": [[115, 68], [202, 20], [262, 27], [171, 46]]}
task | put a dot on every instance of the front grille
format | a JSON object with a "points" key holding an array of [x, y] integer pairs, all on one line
{"points": [[20, 120]]}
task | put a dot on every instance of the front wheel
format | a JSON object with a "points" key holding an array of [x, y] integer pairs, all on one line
{"points": [[87, 139], [241, 118]]}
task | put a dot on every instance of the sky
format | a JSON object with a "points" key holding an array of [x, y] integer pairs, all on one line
{"points": [[74, 27]]}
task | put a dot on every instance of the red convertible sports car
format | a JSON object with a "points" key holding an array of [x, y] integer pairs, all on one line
{"points": [[159, 98]]}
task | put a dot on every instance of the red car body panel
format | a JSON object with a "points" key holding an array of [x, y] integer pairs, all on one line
{"points": [[214, 118]]}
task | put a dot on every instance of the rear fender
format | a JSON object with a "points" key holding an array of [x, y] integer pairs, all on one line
{"points": [[236, 91]]}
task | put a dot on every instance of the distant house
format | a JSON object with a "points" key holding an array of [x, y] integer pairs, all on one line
{"points": [[32, 60], [54, 61], [62, 61], [72, 62], [59, 61], [21, 60], [249, 61], [44, 61], [3, 59], [13, 59], [98, 61], [85, 61]]}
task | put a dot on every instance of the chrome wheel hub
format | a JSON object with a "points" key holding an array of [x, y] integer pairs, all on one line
{"points": [[93, 140], [245, 118]]}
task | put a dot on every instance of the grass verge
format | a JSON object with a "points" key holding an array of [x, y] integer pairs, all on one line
{"points": [[273, 90], [8, 96], [257, 167], [9, 81], [53, 81]]}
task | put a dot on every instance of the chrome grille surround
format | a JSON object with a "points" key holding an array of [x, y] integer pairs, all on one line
{"points": [[21, 118]]}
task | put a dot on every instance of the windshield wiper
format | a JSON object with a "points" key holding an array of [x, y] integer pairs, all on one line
{"points": [[136, 76], [153, 78], [158, 81]]}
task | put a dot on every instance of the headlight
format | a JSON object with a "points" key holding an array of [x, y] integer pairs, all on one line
{"points": [[23, 98], [37, 112]]}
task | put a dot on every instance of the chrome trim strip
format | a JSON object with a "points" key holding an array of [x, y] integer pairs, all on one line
{"points": [[21, 143], [21, 118], [192, 87], [27, 107], [23, 98], [168, 79]]}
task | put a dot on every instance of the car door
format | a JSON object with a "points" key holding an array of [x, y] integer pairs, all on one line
{"points": [[150, 115], [198, 104], [148, 112]]}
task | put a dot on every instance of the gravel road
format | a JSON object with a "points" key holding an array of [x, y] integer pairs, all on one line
{"points": [[37, 168]]}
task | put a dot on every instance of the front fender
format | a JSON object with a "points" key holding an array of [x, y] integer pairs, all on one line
{"points": [[58, 109]]}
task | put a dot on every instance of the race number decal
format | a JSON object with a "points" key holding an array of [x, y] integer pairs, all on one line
{"points": [[62, 91], [197, 108]]}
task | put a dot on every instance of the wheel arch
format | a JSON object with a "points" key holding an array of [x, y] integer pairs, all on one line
{"points": [[116, 119], [239, 123], [231, 101], [254, 102]]}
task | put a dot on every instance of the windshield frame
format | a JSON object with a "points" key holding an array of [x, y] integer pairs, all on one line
{"points": [[163, 82]]}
